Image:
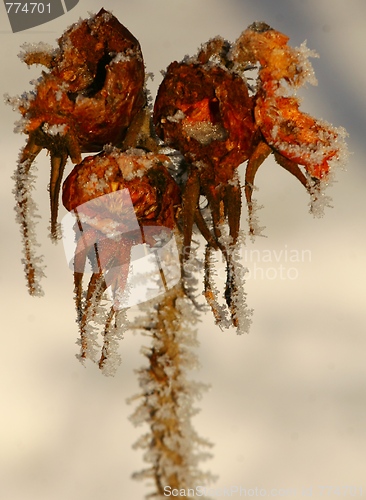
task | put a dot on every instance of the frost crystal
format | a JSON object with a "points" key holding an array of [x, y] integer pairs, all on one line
{"points": [[132, 167], [253, 220], [211, 291], [121, 57], [242, 314], [20, 102], [53, 130], [111, 359], [305, 71], [32, 49], [177, 117], [205, 132]]}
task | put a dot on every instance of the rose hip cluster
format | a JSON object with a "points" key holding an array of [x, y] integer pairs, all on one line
{"points": [[93, 99]]}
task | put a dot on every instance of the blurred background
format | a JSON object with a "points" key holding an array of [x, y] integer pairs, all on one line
{"points": [[287, 407]]}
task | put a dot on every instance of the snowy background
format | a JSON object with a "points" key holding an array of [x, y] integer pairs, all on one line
{"points": [[287, 408]]}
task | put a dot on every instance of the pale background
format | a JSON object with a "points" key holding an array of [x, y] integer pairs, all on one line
{"points": [[287, 408]]}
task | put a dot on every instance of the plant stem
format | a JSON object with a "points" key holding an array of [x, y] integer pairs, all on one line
{"points": [[173, 447]]}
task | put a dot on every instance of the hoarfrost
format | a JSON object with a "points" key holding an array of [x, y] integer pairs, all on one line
{"points": [[205, 132], [192, 266], [107, 16], [121, 57], [134, 162], [90, 339], [253, 220], [173, 448], [18, 102], [55, 234], [34, 48], [53, 130], [329, 142], [95, 313], [110, 149], [306, 72], [112, 336], [20, 125], [237, 272], [26, 216], [128, 55], [177, 117], [319, 200], [211, 291]]}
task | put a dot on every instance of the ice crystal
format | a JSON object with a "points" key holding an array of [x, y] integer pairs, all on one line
{"points": [[134, 162], [236, 272], [211, 291], [36, 50], [90, 340], [95, 312], [53, 130], [122, 57], [55, 233], [253, 220], [205, 132], [114, 332], [18, 102], [177, 117], [305, 68], [191, 270], [107, 16]]}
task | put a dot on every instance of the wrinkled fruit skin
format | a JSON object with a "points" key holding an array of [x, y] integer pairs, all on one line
{"points": [[295, 135], [154, 193], [95, 86], [207, 115]]}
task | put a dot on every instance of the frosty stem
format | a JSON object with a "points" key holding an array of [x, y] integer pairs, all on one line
{"points": [[25, 209], [172, 444]]}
